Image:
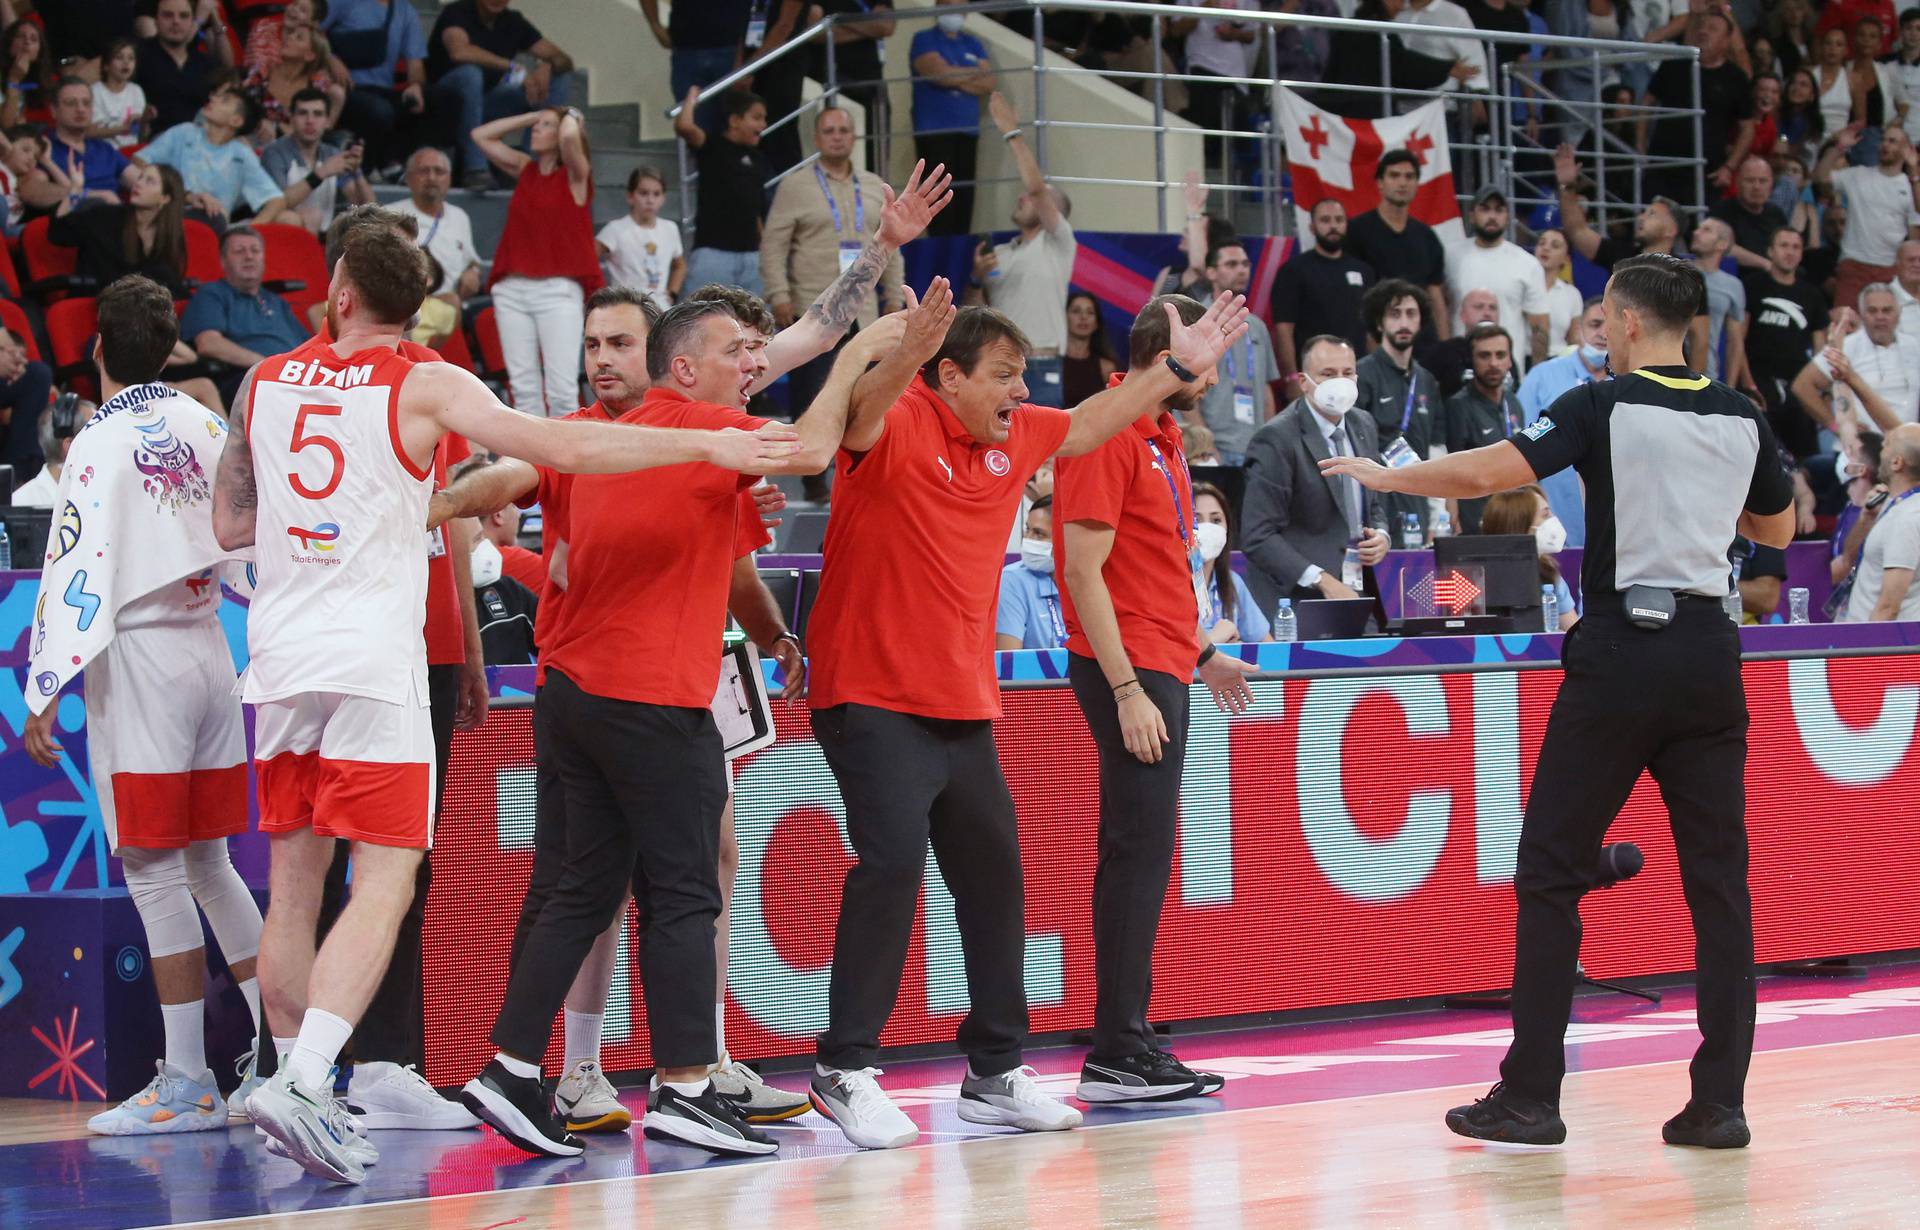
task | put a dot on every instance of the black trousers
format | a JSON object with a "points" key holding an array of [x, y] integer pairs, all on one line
{"points": [[1671, 703], [549, 837], [393, 1028], [960, 151], [908, 780], [1139, 821], [645, 787]]}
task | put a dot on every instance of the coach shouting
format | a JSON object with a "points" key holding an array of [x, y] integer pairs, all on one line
{"points": [[939, 446], [1131, 563], [1674, 465]]}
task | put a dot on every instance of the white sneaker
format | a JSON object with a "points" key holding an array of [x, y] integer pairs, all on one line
{"points": [[861, 1109], [314, 1127], [386, 1095], [1011, 1099], [758, 1101], [249, 1081], [359, 1145], [586, 1100]]}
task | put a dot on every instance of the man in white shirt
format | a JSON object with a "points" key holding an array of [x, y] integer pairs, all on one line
{"points": [[445, 230], [1218, 47], [1881, 207], [1883, 586], [1447, 15], [1906, 285], [1490, 260], [58, 425], [1870, 379], [1027, 279]]}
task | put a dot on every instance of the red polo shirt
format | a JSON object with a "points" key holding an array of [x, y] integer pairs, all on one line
{"points": [[914, 550], [527, 567], [551, 493], [649, 566], [1125, 485]]}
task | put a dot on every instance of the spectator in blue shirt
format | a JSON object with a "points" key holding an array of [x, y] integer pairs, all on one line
{"points": [[1583, 364], [220, 171], [91, 165], [1232, 616], [951, 74], [1029, 616], [380, 42], [236, 321]]}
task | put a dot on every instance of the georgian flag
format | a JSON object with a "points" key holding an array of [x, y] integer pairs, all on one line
{"points": [[1331, 155]]}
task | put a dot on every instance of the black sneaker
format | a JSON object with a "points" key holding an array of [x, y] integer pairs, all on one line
{"points": [[1708, 1127], [708, 1120], [1151, 1076], [1508, 1118], [520, 1110]]}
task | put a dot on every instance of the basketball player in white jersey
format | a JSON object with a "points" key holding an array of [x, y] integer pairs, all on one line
{"points": [[328, 472], [130, 593]]}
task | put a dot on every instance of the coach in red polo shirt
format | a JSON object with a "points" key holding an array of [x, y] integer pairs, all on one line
{"points": [[937, 453], [1128, 563]]}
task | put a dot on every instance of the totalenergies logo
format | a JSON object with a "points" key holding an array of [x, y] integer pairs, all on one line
{"points": [[320, 538]]}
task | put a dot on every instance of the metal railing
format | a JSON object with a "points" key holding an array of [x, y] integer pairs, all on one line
{"points": [[1480, 157]]}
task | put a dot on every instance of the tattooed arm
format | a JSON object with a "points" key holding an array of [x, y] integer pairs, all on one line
{"points": [[826, 320], [234, 495]]}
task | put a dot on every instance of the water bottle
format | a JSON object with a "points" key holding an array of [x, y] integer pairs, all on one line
{"points": [[1797, 598], [1410, 536], [6, 548], [1284, 628], [1442, 524], [1549, 610], [1350, 573]]}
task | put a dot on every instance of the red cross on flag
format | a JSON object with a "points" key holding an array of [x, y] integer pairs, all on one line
{"points": [[1330, 155]]}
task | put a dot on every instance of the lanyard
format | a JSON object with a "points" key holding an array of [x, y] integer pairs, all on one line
{"points": [[1227, 360], [428, 241], [1180, 520], [1891, 504], [1406, 411], [1215, 613], [859, 203], [1056, 625]]}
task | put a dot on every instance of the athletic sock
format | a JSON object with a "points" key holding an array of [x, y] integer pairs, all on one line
{"points": [[282, 1047], [251, 989], [519, 1067], [691, 1089], [186, 1036], [583, 1036], [322, 1034]]}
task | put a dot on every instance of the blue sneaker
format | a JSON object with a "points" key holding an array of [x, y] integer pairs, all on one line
{"points": [[173, 1101]]}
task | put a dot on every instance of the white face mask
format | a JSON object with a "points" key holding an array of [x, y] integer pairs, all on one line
{"points": [[1335, 396], [1550, 536], [1593, 355], [1211, 537], [950, 22], [485, 560], [1845, 469], [1036, 554]]}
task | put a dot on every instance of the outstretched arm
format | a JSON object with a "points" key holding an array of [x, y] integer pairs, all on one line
{"points": [[235, 498], [1573, 214], [1465, 475], [1031, 177], [825, 322], [1196, 347], [482, 491]]}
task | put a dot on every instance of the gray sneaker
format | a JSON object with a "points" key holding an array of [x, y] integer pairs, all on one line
{"points": [[757, 1101], [315, 1129], [1012, 1099], [853, 1099]]}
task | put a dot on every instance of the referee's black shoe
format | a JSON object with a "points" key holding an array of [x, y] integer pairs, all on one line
{"points": [[1151, 1076], [1707, 1126], [520, 1110], [1505, 1117], [707, 1120]]}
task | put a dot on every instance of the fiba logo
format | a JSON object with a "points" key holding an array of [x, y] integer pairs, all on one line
{"points": [[320, 538], [997, 463]]}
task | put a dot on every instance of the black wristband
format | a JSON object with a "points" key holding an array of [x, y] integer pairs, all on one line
{"points": [[314, 181], [1185, 376], [1205, 654], [1123, 683]]}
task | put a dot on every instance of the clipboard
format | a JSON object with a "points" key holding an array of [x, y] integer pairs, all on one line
{"points": [[741, 709]]}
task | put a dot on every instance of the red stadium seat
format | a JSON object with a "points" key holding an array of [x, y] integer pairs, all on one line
{"points": [[14, 317], [294, 255], [70, 324], [493, 360], [48, 264], [203, 253], [9, 276]]}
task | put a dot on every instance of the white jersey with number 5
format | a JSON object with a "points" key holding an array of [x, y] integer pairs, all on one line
{"points": [[341, 567]]}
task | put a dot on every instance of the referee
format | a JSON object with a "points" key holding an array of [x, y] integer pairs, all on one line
{"points": [[1675, 465]]}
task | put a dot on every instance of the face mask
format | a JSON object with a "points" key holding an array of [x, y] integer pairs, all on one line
{"points": [[1550, 536], [1336, 396], [1037, 554], [1844, 468], [1593, 356], [1212, 539], [950, 22], [485, 560]]}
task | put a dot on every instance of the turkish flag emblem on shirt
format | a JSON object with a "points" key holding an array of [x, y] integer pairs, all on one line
{"points": [[1330, 155]]}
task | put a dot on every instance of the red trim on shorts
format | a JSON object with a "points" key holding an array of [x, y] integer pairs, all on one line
{"points": [[393, 433], [286, 784], [366, 800], [151, 810], [217, 802]]}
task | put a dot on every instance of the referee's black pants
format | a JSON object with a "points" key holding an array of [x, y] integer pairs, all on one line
{"points": [[645, 787], [1139, 821], [1672, 703], [907, 780]]}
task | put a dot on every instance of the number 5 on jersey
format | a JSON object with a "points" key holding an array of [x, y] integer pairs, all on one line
{"points": [[302, 441]]}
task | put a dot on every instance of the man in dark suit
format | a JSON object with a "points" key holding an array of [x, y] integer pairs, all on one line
{"points": [[1297, 523]]}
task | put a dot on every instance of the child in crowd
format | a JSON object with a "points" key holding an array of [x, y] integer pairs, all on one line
{"points": [[642, 250], [119, 104]]}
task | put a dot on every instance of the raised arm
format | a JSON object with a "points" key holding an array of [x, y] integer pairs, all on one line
{"points": [[1834, 156], [685, 126], [1196, 347], [1031, 177], [489, 137], [874, 393], [825, 322], [824, 426], [235, 498], [1573, 214], [573, 153], [482, 491]]}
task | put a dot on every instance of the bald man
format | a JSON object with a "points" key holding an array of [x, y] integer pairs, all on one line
{"points": [[1751, 213]]}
